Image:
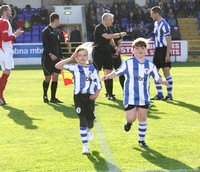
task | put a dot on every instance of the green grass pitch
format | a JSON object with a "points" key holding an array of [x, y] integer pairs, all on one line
{"points": [[45, 137]]}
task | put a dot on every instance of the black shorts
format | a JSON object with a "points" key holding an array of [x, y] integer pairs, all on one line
{"points": [[159, 58], [102, 59], [48, 65], [117, 62], [129, 107], [84, 106]]}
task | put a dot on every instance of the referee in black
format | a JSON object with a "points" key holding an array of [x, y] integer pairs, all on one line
{"points": [[117, 60], [51, 55], [102, 54]]}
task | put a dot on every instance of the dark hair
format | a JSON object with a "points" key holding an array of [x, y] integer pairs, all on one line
{"points": [[156, 9], [3, 8], [140, 42], [53, 17]]}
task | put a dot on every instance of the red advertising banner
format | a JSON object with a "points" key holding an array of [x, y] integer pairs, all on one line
{"points": [[127, 50]]}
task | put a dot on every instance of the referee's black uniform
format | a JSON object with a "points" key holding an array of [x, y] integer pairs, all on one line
{"points": [[50, 40], [51, 45], [102, 54], [117, 61]]}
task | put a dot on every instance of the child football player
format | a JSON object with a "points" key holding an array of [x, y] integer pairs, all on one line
{"points": [[87, 86], [136, 87]]}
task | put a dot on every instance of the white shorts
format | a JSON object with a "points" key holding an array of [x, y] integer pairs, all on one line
{"points": [[6, 60]]}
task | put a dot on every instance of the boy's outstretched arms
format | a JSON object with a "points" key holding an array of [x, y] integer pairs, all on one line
{"points": [[109, 76], [60, 65]]}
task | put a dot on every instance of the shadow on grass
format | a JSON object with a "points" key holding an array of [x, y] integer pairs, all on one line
{"points": [[68, 112], [162, 161], [100, 163], [185, 105], [118, 104], [152, 111], [20, 117]]}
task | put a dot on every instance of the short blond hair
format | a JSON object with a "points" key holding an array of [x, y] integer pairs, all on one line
{"points": [[106, 15], [80, 48]]}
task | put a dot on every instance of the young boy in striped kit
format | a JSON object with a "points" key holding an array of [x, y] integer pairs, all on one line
{"points": [[87, 86], [136, 87]]}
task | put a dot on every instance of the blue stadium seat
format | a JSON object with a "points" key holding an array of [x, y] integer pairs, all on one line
{"points": [[20, 16], [20, 39], [35, 33], [27, 33], [199, 15], [130, 25], [33, 10], [35, 27], [147, 25], [124, 25], [35, 39], [124, 20], [27, 39], [28, 19]]}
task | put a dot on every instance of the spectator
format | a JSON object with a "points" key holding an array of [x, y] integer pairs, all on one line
{"points": [[141, 26], [173, 25], [167, 7], [140, 16], [123, 11], [136, 8], [131, 4], [43, 21], [92, 24], [175, 6], [75, 35], [176, 34], [170, 13], [93, 3], [91, 8], [162, 10], [117, 16], [191, 8], [146, 34], [100, 8], [184, 8], [172, 19], [28, 7], [27, 25], [128, 36], [132, 17], [122, 3], [152, 3], [115, 7], [146, 8], [99, 16], [115, 2], [44, 12], [14, 12], [160, 2], [35, 19], [197, 7], [20, 24], [107, 8], [135, 33], [13, 24], [147, 17]]}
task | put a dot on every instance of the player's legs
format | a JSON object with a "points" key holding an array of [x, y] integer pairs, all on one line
{"points": [[3, 83], [131, 114], [79, 105], [109, 85], [158, 63], [166, 72], [142, 125], [7, 64]]}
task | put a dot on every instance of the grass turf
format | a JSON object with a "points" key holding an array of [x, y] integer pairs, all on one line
{"points": [[45, 137]]}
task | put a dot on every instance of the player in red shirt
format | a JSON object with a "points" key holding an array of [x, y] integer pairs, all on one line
{"points": [[6, 47]]}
